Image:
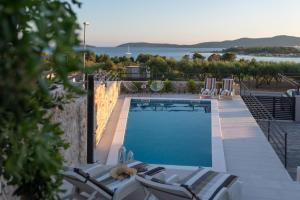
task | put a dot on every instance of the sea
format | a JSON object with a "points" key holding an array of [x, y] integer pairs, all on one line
{"points": [[178, 53]]}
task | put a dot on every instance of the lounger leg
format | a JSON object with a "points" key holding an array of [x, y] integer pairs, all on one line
{"points": [[93, 196], [148, 194]]}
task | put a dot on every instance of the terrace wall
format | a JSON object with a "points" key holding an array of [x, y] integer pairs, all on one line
{"points": [[73, 121], [105, 100], [181, 86]]}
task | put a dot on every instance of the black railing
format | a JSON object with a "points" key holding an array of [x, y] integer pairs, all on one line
{"points": [[281, 108], [275, 134], [291, 79]]}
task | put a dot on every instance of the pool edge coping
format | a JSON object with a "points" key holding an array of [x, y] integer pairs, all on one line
{"points": [[218, 156]]}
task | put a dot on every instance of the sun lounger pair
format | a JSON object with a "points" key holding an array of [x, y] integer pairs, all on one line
{"points": [[210, 89], [96, 182]]}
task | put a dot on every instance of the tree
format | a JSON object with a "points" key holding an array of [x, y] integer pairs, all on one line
{"points": [[214, 57], [102, 58], [186, 66], [229, 57], [90, 56], [107, 65], [158, 66], [30, 143], [198, 56], [143, 58], [186, 57]]}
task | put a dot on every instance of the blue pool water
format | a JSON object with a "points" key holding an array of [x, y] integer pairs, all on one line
{"points": [[172, 132]]}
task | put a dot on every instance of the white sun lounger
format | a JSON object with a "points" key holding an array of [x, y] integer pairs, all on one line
{"points": [[210, 88], [202, 184], [227, 89], [95, 182]]}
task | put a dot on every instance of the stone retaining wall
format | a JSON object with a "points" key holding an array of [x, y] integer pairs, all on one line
{"points": [[73, 121], [105, 100]]}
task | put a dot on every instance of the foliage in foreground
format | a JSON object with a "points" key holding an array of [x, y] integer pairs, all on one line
{"points": [[29, 143]]}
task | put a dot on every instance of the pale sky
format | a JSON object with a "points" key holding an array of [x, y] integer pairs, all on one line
{"points": [[113, 22]]}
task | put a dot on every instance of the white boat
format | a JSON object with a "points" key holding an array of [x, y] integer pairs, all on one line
{"points": [[128, 53]]}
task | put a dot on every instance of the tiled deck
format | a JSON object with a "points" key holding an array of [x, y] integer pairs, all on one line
{"points": [[247, 153]]}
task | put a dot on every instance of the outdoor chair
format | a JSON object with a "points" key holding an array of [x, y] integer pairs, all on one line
{"points": [[96, 182], [227, 89], [157, 86], [201, 184], [210, 88]]}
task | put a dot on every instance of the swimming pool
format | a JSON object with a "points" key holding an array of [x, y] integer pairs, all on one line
{"points": [[174, 132], [171, 132]]}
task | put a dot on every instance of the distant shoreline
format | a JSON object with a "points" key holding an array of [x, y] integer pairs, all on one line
{"points": [[276, 41]]}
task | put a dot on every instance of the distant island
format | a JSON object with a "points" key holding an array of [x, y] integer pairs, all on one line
{"points": [[277, 41], [265, 51]]}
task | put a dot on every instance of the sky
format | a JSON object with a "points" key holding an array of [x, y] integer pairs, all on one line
{"points": [[113, 22]]}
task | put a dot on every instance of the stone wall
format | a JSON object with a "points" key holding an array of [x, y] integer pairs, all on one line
{"points": [[181, 86], [105, 100], [73, 121]]}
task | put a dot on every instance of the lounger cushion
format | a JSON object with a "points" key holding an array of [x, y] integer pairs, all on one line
{"points": [[206, 184], [106, 178], [200, 184]]}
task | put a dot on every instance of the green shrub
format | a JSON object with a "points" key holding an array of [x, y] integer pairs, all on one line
{"points": [[201, 84], [168, 87], [191, 86], [30, 143]]}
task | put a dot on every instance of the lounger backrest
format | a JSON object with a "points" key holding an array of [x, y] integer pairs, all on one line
{"points": [[103, 188], [84, 185], [210, 83], [201, 184], [228, 84], [164, 191], [206, 184]]}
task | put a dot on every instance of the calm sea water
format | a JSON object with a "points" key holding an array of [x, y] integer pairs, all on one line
{"points": [[178, 53], [170, 132]]}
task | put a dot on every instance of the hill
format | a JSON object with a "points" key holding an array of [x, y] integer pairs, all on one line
{"points": [[277, 41], [265, 51]]}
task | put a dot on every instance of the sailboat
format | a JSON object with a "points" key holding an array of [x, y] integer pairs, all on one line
{"points": [[128, 53]]}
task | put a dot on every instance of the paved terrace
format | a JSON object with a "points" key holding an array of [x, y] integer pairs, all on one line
{"points": [[249, 155], [247, 152]]}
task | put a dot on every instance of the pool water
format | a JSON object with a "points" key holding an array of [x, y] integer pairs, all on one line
{"points": [[171, 132]]}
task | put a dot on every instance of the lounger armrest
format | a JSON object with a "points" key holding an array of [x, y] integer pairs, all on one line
{"points": [[94, 181], [234, 191], [154, 171]]}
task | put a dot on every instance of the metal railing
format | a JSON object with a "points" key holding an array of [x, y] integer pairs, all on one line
{"points": [[289, 79], [276, 136]]}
